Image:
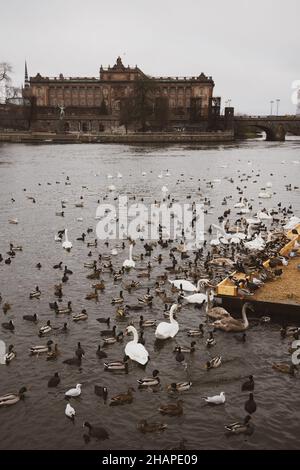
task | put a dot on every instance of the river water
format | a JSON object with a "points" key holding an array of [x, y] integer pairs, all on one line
{"points": [[38, 421]]}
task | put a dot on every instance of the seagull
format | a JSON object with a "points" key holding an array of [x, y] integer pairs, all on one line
{"points": [[216, 400], [74, 392], [69, 411]]}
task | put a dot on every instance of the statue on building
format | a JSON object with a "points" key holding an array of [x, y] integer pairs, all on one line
{"points": [[62, 111]]}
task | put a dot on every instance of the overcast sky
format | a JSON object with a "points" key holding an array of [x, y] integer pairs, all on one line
{"points": [[250, 47]]}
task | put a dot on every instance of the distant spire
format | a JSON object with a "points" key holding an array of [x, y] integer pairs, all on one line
{"points": [[26, 81]]}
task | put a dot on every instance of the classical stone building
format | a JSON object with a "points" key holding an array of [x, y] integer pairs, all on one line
{"points": [[84, 104]]}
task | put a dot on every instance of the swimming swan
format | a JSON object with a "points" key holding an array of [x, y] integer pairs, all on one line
{"points": [[168, 330], [135, 350]]}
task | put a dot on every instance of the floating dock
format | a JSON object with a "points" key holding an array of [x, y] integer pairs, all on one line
{"points": [[278, 298]]}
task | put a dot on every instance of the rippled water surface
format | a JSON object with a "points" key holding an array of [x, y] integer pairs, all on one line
{"points": [[38, 422]]}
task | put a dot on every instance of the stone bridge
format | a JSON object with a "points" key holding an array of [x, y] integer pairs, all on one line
{"points": [[275, 127]]}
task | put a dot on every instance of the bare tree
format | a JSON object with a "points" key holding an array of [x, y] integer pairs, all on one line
{"points": [[5, 79]]}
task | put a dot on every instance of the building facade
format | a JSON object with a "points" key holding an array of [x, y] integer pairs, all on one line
{"points": [[84, 104]]}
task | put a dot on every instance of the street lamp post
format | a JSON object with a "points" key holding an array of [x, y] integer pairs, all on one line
{"points": [[277, 106], [271, 102]]}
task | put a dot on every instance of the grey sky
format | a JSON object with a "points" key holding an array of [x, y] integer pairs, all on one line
{"points": [[250, 47]]}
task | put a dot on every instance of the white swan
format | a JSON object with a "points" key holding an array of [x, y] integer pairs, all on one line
{"points": [[196, 298], [187, 286], [135, 350], [216, 241], [256, 244], [168, 330], [67, 245], [240, 205], [265, 195], [262, 215], [245, 210], [129, 263]]}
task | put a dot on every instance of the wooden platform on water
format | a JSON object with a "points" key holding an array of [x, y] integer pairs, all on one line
{"points": [[278, 299]]}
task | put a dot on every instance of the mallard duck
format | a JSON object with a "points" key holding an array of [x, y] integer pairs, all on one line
{"points": [[121, 313], [6, 307], [144, 426], [53, 354], [149, 381], [94, 243], [240, 428], [116, 366], [285, 368], [54, 380], [111, 332], [11, 398], [64, 310], [35, 294], [10, 355], [214, 363], [195, 333], [92, 295], [79, 351], [186, 349], [80, 316], [210, 342], [122, 398], [118, 300], [36, 350], [45, 329], [99, 286], [146, 323], [172, 409], [179, 387], [96, 432], [113, 339], [74, 361], [32, 318]]}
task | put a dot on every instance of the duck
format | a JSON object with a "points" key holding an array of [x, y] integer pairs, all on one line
{"points": [[74, 361], [8, 325], [79, 352], [109, 332], [146, 323], [32, 318], [172, 409], [210, 341], [92, 295], [45, 329], [101, 354], [145, 427], [64, 310], [35, 294], [186, 349], [6, 357], [250, 405], [149, 381], [101, 392], [96, 432], [103, 320], [70, 412], [6, 307], [12, 398], [196, 332], [116, 365], [122, 398], [249, 385], [179, 387], [229, 324], [74, 392], [187, 286], [41, 349], [129, 263], [166, 330], [135, 350], [118, 300], [216, 400], [285, 368], [54, 380], [244, 427], [214, 363], [80, 316], [67, 245], [52, 355], [113, 339]]}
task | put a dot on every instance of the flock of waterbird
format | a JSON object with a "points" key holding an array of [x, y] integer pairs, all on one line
{"points": [[244, 240]]}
